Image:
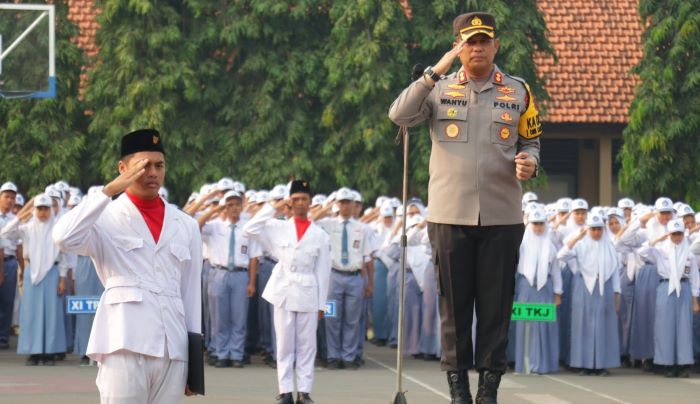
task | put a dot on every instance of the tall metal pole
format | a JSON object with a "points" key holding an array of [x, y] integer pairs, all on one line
{"points": [[400, 398]]}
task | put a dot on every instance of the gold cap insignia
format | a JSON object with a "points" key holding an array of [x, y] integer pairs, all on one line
{"points": [[476, 21], [155, 139]]}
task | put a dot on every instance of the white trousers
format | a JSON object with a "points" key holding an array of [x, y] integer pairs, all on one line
{"points": [[296, 342], [125, 377]]}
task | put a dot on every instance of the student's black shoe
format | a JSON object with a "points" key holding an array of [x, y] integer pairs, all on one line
{"points": [[625, 362], [238, 364], [304, 398], [211, 361], [459, 387], [351, 365], [321, 363], [33, 360], [670, 371], [223, 363], [285, 398], [59, 357], [417, 356], [379, 342], [359, 361], [393, 346], [648, 365], [4, 345], [272, 363], [430, 358], [49, 360], [586, 372], [603, 372], [334, 364], [246, 360], [682, 372], [84, 361]]}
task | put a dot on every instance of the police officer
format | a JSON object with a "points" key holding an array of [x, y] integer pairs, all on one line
{"points": [[484, 128]]}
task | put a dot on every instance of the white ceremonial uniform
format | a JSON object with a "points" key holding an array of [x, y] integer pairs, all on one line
{"points": [[297, 288], [152, 296]]}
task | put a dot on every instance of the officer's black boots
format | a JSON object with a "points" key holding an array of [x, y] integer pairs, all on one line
{"points": [[459, 387], [304, 398], [488, 387], [284, 398]]}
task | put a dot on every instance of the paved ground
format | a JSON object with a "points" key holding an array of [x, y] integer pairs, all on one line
{"points": [[69, 383]]}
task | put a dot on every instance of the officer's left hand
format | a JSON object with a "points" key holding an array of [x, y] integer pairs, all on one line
{"points": [[525, 166]]}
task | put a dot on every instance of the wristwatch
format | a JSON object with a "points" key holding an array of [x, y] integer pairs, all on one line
{"points": [[430, 73]]}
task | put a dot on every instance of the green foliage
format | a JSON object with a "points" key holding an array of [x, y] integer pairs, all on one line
{"points": [[42, 140], [659, 156]]}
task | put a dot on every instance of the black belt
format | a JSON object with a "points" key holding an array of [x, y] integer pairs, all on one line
{"points": [[274, 261], [346, 273], [235, 269], [666, 280], [9, 257]]}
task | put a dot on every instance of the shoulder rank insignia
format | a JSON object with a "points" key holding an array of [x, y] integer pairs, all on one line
{"points": [[456, 86], [505, 98], [455, 94], [462, 77], [505, 90], [498, 77], [530, 126]]}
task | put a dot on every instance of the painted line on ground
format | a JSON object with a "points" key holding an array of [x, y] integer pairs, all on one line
{"points": [[542, 399], [562, 381], [410, 378]]}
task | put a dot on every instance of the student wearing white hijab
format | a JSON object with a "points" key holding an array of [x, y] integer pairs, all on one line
{"points": [[538, 281], [630, 262], [676, 299], [595, 295], [42, 326]]}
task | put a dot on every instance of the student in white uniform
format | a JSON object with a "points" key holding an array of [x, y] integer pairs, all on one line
{"points": [[595, 297], [42, 327], [8, 264], [676, 299], [233, 255], [148, 255], [297, 288]]}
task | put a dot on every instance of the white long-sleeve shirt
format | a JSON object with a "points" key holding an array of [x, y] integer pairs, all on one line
{"points": [[152, 291]]}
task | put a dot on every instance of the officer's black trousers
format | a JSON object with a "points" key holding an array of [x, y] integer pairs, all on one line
{"points": [[475, 268]]}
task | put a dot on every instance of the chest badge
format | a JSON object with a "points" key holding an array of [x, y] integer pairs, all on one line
{"points": [[506, 90], [505, 98], [456, 86], [505, 133], [506, 117], [451, 113], [452, 130], [455, 94]]}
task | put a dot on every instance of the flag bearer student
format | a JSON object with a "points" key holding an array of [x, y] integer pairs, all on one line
{"points": [[349, 247], [148, 255], [646, 226], [538, 281], [676, 299], [234, 256], [297, 288], [595, 298], [629, 262], [8, 260], [43, 283]]}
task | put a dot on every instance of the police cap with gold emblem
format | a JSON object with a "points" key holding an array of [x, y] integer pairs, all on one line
{"points": [[299, 186], [467, 25], [141, 140]]}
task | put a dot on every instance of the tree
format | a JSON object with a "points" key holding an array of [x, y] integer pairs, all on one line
{"points": [[659, 154], [41, 140]]}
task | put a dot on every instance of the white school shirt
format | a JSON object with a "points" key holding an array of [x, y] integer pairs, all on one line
{"points": [[152, 291], [217, 233], [662, 261], [358, 242], [301, 277], [8, 244]]}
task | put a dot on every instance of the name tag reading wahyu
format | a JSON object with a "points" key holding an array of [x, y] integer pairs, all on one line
{"points": [[82, 304], [546, 312]]}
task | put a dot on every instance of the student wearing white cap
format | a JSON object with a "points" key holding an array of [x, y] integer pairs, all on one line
{"points": [[626, 204], [382, 262], [8, 260], [148, 256], [349, 247], [43, 283], [298, 287], [538, 281], [595, 291], [676, 299], [233, 255], [563, 229]]}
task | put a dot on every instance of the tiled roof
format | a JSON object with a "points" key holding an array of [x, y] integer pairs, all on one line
{"points": [[597, 43]]}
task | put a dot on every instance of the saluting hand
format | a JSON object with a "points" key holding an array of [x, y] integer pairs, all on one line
{"points": [[125, 179], [443, 66], [524, 166]]}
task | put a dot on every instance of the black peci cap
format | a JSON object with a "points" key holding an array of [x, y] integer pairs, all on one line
{"points": [[300, 186], [141, 140]]}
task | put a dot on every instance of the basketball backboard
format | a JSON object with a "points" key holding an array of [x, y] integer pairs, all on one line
{"points": [[27, 51]]}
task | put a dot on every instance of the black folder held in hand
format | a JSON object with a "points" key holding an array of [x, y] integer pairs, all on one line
{"points": [[195, 366]]}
